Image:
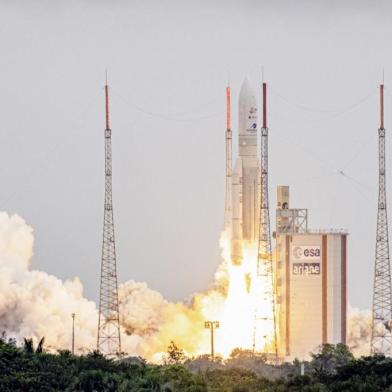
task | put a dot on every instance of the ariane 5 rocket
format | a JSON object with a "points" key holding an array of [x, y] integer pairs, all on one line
{"points": [[245, 179]]}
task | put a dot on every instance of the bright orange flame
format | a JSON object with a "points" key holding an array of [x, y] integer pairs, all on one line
{"points": [[246, 314], [241, 302]]}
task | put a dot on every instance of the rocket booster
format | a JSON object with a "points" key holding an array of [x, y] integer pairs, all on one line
{"points": [[245, 179]]}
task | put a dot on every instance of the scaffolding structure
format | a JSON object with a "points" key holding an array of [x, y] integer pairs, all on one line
{"points": [[266, 315], [109, 340], [291, 220], [382, 299]]}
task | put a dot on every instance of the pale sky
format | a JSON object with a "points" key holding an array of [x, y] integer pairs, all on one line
{"points": [[168, 63]]}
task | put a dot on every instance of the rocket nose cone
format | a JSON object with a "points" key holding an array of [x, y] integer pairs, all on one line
{"points": [[246, 90], [247, 98], [247, 120]]}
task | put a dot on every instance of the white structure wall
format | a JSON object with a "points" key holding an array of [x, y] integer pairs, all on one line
{"points": [[311, 292]]}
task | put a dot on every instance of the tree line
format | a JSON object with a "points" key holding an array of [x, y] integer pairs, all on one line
{"points": [[28, 368]]}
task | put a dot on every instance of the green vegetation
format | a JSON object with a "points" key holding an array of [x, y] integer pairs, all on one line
{"points": [[334, 369]]}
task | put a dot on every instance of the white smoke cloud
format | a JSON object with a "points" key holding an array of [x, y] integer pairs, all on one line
{"points": [[359, 330], [156, 322], [36, 304], [142, 308]]}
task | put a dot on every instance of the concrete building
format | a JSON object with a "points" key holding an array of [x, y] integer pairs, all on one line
{"points": [[311, 276]]}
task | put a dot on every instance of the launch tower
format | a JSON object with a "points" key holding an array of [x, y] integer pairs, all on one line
{"points": [[382, 300], [265, 316], [109, 341]]}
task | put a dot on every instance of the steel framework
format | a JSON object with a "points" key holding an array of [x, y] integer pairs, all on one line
{"points": [[109, 340], [264, 256], [291, 220], [382, 299]]}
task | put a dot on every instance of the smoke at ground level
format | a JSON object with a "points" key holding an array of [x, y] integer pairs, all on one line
{"points": [[36, 304]]}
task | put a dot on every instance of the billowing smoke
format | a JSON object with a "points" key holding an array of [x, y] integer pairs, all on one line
{"points": [[36, 304], [33, 303], [359, 330], [156, 321]]}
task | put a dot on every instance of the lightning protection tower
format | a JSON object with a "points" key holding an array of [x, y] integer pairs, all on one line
{"points": [[266, 314], [228, 137], [109, 341], [382, 300]]}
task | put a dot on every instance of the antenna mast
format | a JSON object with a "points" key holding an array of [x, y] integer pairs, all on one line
{"points": [[382, 298], [266, 314], [109, 341], [229, 137]]}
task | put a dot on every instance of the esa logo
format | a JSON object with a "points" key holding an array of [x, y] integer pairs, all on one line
{"points": [[305, 252]]}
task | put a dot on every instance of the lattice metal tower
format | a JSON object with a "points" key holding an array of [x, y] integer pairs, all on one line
{"points": [[264, 259], [109, 340], [229, 163], [382, 297]]}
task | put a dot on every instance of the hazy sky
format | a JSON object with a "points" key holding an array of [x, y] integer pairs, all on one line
{"points": [[168, 63]]}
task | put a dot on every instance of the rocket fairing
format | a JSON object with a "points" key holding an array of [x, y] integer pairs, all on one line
{"points": [[245, 178]]}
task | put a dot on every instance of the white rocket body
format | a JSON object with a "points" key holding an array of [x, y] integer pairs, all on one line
{"points": [[246, 179]]}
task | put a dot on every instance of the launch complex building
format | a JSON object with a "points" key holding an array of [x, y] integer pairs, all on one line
{"points": [[309, 267], [311, 282]]}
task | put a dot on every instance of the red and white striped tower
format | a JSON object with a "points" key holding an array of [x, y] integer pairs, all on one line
{"points": [[381, 339], [265, 317], [109, 341]]}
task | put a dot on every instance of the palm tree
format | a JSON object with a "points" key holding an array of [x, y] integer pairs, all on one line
{"points": [[40, 347], [29, 346]]}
